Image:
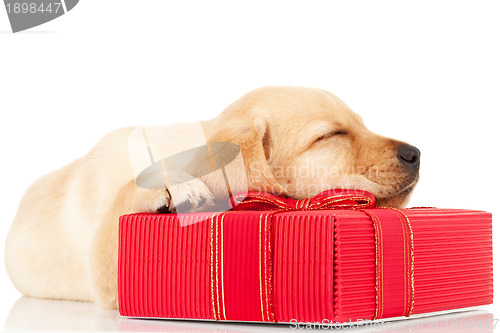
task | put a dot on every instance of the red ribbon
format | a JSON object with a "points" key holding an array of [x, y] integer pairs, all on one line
{"points": [[330, 199], [393, 236], [272, 204]]}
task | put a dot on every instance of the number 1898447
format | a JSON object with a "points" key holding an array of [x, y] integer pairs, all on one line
{"points": [[33, 8]]}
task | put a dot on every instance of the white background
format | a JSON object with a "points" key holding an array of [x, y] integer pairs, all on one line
{"points": [[426, 72]]}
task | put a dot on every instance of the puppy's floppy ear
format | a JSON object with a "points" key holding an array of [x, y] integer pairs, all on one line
{"points": [[252, 136]]}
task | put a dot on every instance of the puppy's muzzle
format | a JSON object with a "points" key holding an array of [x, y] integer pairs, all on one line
{"points": [[409, 157]]}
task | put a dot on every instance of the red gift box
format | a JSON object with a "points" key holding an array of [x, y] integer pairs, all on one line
{"points": [[332, 258]]}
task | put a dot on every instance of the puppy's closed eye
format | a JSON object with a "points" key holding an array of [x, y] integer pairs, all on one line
{"points": [[332, 134]]}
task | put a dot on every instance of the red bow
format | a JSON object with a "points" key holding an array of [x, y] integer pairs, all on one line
{"points": [[330, 199]]}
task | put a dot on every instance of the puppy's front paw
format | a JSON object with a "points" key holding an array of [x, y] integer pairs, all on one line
{"points": [[189, 196]]}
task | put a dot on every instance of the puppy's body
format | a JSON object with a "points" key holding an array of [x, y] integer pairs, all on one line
{"points": [[63, 241], [65, 228]]}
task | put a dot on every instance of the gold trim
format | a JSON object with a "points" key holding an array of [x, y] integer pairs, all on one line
{"points": [[377, 264], [270, 277], [412, 259], [217, 263], [405, 256], [266, 277], [222, 262], [260, 267], [379, 280], [412, 263], [212, 264]]}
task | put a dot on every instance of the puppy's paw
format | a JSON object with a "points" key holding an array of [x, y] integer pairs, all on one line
{"points": [[184, 197], [190, 196]]}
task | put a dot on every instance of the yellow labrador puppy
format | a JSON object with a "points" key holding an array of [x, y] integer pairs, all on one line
{"points": [[294, 141]]}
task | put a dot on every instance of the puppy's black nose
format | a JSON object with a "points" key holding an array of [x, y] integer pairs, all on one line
{"points": [[409, 156]]}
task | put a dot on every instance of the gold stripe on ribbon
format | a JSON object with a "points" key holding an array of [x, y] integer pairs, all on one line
{"points": [[379, 271], [412, 260], [260, 268], [410, 280], [212, 284], [266, 276], [222, 262], [265, 267], [270, 304]]}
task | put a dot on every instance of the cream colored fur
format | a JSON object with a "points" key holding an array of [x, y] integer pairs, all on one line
{"points": [[63, 241]]}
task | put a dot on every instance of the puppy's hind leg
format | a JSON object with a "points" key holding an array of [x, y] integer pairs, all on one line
{"points": [[104, 251], [104, 264]]}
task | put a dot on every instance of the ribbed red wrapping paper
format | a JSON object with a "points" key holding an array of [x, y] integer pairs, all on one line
{"points": [[304, 266]]}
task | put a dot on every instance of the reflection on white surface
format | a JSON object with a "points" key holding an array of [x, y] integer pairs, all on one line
{"points": [[53, 315], [29, 314]]}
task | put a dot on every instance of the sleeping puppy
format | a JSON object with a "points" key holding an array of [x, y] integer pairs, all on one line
{"points": [[293, 141]]}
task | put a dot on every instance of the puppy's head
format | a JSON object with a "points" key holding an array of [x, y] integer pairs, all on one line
{"points": [[301, 141]]}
